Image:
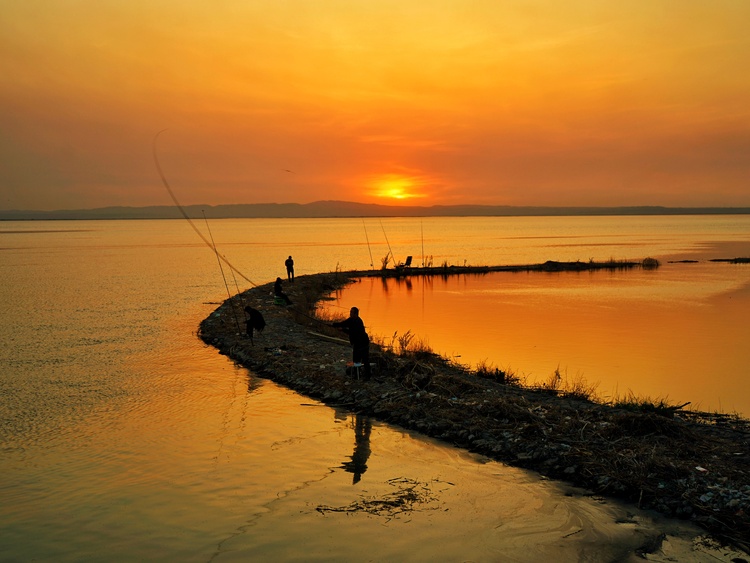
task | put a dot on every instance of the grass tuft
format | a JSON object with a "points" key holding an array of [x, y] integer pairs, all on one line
{"points": [[487, 370], [660, 406], [576, 387]]}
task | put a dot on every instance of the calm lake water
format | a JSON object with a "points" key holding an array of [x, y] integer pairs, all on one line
{"points": [[677, 334], [123, 437]]}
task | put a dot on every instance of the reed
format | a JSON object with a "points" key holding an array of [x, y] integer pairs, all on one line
{"points": [[328, 316], [576, 387], [661, 405], [506, 376]]}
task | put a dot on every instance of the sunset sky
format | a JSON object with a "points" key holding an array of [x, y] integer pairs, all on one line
{"points": [[421, 102]]}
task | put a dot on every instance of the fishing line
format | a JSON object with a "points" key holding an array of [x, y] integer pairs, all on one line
{"points": [[239, 294], [421, 226], [389, 245], [237, 287], [185, 215], [368, 243], [209, 243], [218, 259]]}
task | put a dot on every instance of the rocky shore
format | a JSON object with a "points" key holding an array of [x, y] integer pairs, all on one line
{"points": [[681, 463]]}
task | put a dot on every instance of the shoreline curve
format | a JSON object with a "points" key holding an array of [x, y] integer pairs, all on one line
{"points": [[691, 465]]}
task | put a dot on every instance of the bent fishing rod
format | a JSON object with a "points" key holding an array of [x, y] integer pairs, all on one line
{"points": [[221, 268], [187, 218], [209, 243]]}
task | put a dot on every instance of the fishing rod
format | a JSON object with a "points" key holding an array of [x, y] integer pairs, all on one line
{"points": [[202, 236], [421, 226], [237, 287], [240, 294], [368, 243], [218, 259], [389, 245], [185, 215]]}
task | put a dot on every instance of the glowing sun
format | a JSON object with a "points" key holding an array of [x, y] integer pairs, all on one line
{"points": [[395, 186]]}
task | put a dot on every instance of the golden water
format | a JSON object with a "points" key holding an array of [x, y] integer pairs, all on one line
{"points": [[124, 437], [678, 333]]}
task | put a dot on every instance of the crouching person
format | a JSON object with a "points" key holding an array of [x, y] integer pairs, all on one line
{"points": [[254, 322]]}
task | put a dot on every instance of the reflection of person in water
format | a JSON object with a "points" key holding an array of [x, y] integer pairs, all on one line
{"points": [[358, 463]]}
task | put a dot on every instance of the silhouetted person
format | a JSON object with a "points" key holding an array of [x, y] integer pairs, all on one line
{"points": [[254, 322], [289, 263], [279, 292], [358, 338], [358, 463]]}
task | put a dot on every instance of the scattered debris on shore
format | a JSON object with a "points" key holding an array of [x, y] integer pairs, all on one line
{"points": [[408, 495], [678, 462]]}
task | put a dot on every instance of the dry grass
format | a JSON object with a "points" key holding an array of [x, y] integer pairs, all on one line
{"points": [[326, 315], [660, 406], [576, 387], [506, 376]]}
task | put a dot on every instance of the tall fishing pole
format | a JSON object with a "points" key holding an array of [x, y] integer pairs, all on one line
{"points": [[201, 235], [368, 243], [239, 294], [237, 287], [421, 226], [389, 245], [218, 259], [185, 215]]}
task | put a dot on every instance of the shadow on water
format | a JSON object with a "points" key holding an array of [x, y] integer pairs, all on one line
{"points": [[357, 463]]}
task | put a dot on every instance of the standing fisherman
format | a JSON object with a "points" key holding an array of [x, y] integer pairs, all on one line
{"points": [[289, 263], [358, 338]]}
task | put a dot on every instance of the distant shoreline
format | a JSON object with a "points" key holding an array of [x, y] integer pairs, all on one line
{"points": [[344, 209]]}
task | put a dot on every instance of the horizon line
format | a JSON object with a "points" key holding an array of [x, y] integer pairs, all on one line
{"points": [[340, 208]]}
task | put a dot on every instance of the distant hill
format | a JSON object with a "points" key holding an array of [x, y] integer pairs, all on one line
{"points": [[350, 209]]}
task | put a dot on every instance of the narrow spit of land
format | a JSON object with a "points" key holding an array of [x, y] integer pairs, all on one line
{"points": [[681, 463]]}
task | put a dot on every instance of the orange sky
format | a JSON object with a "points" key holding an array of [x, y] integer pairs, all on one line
{"points": [[423, 102]]}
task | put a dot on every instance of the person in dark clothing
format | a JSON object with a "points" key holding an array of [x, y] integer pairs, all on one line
{"points": [[358, 338], [254, 322], [279, 292], [289, 263]]}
